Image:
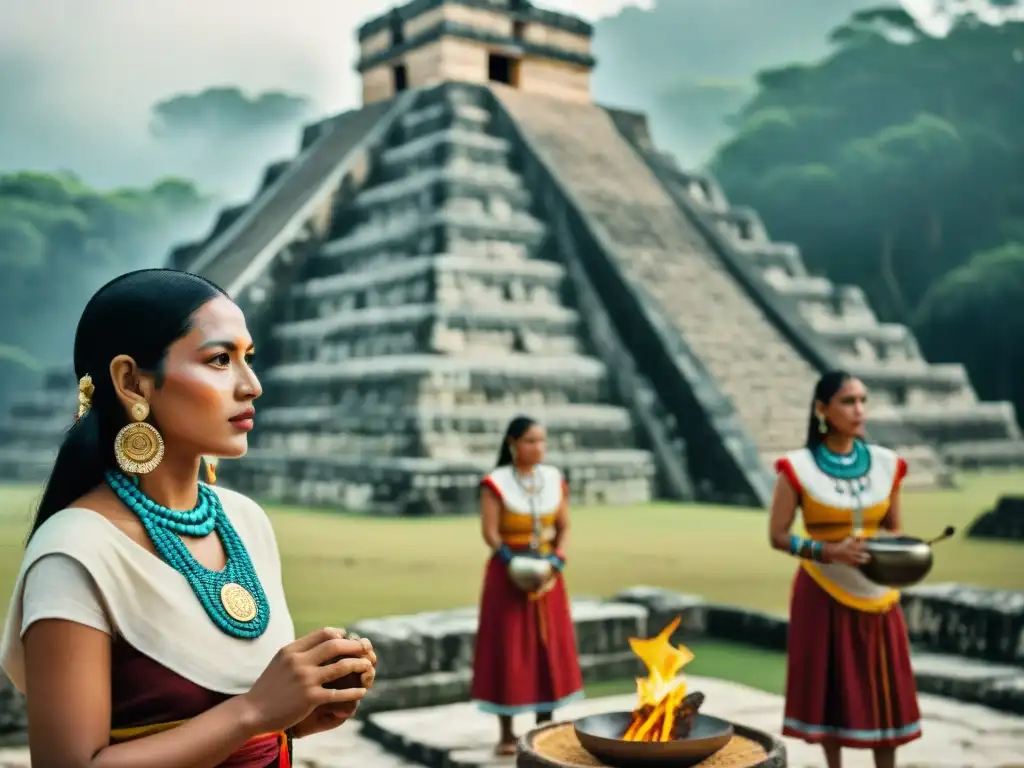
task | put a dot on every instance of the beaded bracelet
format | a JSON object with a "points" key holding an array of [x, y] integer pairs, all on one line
{"points": [[556, 560], [808, 549], [504, 554]]}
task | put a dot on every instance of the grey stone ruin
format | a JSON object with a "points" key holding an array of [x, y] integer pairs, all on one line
{"points": [[433, 312], [33, 427], [1005, 521], [480, 240]]}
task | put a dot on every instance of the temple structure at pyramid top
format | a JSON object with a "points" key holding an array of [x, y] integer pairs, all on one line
{"points": [[479, 240], [427, 42]]}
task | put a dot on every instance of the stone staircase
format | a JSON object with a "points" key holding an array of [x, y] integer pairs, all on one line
{"points": [[237, 242], [935, 401], [767, 380], [420, 327]]}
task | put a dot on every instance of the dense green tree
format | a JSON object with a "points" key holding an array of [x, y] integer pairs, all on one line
{"points": [[972, 315], [689, 64], [890, 162], [892, 159], [60, 240]]}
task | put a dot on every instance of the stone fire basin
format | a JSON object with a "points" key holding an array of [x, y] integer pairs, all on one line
{"points": [[557, 746]]}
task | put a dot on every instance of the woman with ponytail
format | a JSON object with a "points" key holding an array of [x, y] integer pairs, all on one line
{"points": [[526, 659], [849, 681], [148, 626]]}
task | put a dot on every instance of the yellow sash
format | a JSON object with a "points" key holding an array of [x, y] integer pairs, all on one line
{"points": [[847, 585]]}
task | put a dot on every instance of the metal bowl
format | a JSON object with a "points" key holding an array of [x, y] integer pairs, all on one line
{"points": [[601, 736], [897, 561], [529, 573]]}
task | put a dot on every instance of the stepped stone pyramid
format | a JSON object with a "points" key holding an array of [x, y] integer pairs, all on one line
{"points": [[479, 240]]}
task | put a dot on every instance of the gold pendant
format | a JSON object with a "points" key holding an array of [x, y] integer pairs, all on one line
{"points": [[237, 602]]}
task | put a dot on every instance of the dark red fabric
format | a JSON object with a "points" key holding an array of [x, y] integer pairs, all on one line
{"points": [[901, 472], [526, 656], [848, 675], [785, 468], [144, 692], [487, 482]]}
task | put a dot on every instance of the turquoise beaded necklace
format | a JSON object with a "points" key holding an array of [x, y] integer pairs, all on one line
{"points": [[233, 597], [849, 466]]}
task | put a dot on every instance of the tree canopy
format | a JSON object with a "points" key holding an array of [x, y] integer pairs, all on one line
{"points": [[895, 164], [972, 316], [225, 113], [60, 240], [690, 65]]}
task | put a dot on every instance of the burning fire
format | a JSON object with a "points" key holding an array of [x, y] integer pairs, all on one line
{"points": [[663, 708]]}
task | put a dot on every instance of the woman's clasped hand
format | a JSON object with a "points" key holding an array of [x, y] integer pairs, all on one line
{"points": [[849, 551], [291, 692]]}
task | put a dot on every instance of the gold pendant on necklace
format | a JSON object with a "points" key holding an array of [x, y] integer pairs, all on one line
{"points": [[238, 603]]}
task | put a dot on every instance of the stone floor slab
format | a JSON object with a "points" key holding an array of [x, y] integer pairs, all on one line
{"points": [[14, 757], [345, 747], [955, 734]]}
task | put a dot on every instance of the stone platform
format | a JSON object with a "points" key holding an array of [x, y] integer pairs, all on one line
{"points": [[346, 747], [966, 642], [955, 735]]}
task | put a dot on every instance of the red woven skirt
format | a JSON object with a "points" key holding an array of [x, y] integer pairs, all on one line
{"points": [[848, 678], [526, 659]]}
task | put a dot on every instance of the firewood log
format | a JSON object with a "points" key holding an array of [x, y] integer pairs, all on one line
{"points": [[686, 715]]}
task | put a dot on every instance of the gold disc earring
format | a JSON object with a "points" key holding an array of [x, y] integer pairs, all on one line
{"points": [[138, 447]]}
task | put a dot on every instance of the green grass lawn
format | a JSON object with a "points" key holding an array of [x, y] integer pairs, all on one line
{"points": [[339, 568]]}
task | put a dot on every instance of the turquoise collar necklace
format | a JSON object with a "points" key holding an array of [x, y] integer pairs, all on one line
{"points": [[233, 597], [843, 466]]}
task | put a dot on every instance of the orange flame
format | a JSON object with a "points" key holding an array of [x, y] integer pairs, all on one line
{"points": [[663, 690]]}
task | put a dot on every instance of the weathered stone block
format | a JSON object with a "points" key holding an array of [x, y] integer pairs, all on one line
{"points": [[967, 621], [417, 691], [663, 605], [421, 643], [963, 679], [442, 641], [603, 627], [1004, 521], [1005, 694], [438, 688], [744, 625]]}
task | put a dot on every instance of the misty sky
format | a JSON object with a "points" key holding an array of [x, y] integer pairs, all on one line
{"points": [[93, 68], [98, 66]]}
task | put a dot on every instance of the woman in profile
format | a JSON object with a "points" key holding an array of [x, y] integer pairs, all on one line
{"points": [[849, 680], [526, 659], [148, 626]]}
